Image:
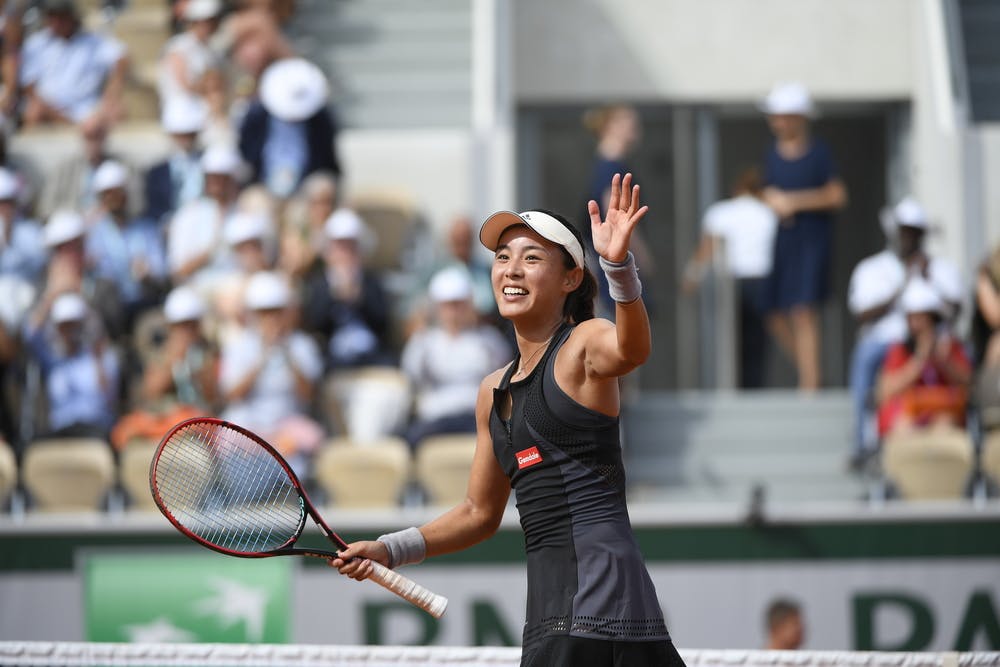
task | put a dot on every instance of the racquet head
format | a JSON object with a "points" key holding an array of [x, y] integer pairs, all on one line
{"points": [[226, 488]]}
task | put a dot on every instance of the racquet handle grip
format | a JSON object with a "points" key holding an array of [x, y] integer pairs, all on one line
{"points": [[409, 590]]}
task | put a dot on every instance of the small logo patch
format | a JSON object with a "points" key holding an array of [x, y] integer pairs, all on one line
{"points": [[528, 457]]}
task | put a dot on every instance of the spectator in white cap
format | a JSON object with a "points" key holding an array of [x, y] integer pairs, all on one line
{"points": [[925, 378], [79, 369], [179, 178], [805, 190], [344, 302], [304, 228], [179, 376], [873, 297], [447, 361], [250, 238], [70, 74], [22, 250], [290, 132], [195, 246], [269, 373], [126, 250], [190, 69]]}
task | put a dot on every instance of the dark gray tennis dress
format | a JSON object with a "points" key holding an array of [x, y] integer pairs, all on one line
{"points": [[590, 598]]}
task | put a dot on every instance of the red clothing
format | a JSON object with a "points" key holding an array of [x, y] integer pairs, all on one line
{"points": [[931, 395]]}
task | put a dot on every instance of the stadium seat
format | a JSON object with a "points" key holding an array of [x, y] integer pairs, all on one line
{"points": [[392, 217], [934, 464], [8, 471], [68, 474], [989, 460], [367, 474], [133, 469], [443, 463], [369, 402]]}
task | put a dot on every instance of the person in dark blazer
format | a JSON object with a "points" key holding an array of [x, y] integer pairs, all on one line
{"points": [[179, 178]]}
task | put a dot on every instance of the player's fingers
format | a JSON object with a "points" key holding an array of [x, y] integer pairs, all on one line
{"points": [[626, 196], [595, 213], [616, 191]]}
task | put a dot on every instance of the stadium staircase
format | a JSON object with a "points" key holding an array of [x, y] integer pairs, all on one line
{"points": [[731, 447]]}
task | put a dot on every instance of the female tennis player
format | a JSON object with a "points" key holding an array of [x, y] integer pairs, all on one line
{"points": [[547, 427]]}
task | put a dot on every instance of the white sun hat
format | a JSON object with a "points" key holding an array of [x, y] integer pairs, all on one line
{"points": [[183, 304], [909, 213], [64, 225], [68, 307], [10, 187], [790, 97], [450, 284], [344, 224], [222, 159], [919, 296], [242, 227], [293, 89], [202, 10], [544, 224], [267, 290], [184, 115], [111, 174]]}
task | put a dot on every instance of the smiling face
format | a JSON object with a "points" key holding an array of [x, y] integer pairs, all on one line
{"points": [[530, 276]]}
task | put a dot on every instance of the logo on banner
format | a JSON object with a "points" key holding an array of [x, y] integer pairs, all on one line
{"points": [[528, 457], [186, 598]]}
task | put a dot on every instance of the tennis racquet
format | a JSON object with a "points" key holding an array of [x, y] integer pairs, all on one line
{"points": [[229, 490]]}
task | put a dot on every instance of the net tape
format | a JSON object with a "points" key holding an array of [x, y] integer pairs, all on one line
{"points": [[85, 654]]}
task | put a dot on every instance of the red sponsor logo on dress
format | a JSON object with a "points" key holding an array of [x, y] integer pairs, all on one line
{"points": [[528, 457]]}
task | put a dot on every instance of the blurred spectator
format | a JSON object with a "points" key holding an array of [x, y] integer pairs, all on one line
{"points": [[924, 380], [71, 75], [253, 38], [179, 178], [447, 361], [70, 184], [12, 31], [618, 130], [289, 133], [195, 251], [785, 625], [986, 315], [79, 369], [269, 373], [190, 69], [179, 378], [22, 251], [804, 190], [874, 299], [303, 235], [250, 239], [344, 303], [125, 250], [745, 226]]}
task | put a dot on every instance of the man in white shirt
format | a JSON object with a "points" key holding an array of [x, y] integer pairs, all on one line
{"points": [[71, 75], [873, 298], [745, 226]]}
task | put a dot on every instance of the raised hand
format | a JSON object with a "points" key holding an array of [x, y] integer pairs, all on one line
{"points": [[611, 236]]}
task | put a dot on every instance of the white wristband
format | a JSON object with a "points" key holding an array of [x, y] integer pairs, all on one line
{"points": [[623, 279], [404, 546]]}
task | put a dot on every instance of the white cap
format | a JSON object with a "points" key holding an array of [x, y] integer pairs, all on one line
{"points": [[110, 174], [222, 159], [183, 304], [10, 187], [293, 89], [920, 297], [242, 226], [68, 307], [788, 98], [267, 290], [450, 284], [345, 224], [201, 10], [908, 213], [544, 224], [63, 225], [184, 115]]}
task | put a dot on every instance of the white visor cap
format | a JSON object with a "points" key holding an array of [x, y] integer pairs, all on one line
{"points": [[183, 304], [267, 290], [111, 174], [63, 226], [908, 213], [450, 284], [202, 10], [68, 307], [919, 296], [542, 223], [183, 115], [790, 98]]}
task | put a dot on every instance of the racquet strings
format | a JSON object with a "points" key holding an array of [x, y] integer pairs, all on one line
{"points": [[227, 489]]}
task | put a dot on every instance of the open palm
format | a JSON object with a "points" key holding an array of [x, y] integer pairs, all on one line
{"points": [[611, 236]]}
